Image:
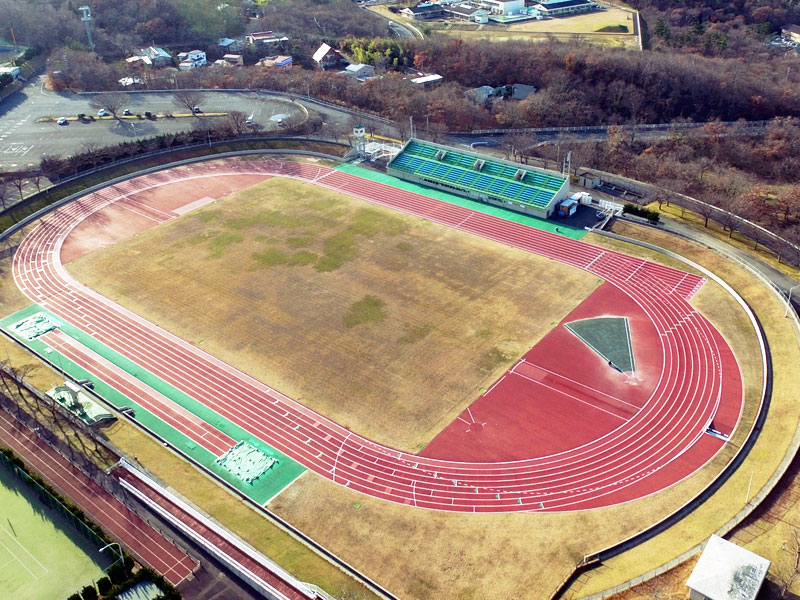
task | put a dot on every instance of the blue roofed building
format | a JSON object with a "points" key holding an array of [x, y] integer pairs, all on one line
{"points": [[480, 177]]}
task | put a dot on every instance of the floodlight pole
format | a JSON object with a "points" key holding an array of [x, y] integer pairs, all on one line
{"points": [[121, 556], [789, 300]]}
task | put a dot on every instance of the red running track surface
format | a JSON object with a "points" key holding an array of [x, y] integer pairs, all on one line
{"points": [[637, 458], [144, 542]]}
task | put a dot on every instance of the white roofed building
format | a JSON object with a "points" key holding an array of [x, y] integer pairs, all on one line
{"points": [[726, 571]]}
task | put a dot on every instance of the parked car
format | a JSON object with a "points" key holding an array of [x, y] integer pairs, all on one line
{"points": [[127, 112], [102, 112], [196, 110], [62, 121]]}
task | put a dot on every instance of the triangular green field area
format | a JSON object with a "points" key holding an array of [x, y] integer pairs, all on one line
{"points": [[610, 337]]}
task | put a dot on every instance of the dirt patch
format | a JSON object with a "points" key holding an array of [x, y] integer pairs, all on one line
{"points": [[387, 324]]}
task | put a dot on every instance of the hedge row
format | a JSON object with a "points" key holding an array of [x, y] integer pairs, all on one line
{"points": [[632, 209]]}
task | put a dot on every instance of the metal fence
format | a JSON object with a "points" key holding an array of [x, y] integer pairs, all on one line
{"points": [[605, 128]]}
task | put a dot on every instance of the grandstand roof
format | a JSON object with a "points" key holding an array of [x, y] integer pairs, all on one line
{"points": [[457, 169]]}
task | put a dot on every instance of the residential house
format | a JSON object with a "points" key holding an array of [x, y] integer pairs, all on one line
{"points": [[129, 81], [359, 71], [229, 45], [191, 60], [277, 62], [420, 12], [466, 12], [235, 60], [428, 81], [726, 571], [327, 57], [152, 56], [264, 38], [791, 32], [480, 95]]}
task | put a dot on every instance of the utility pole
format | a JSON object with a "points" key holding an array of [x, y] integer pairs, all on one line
{"points": [[87, 18]]}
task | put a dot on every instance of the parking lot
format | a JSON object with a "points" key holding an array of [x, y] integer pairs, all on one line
{"points": [[24, 139]]}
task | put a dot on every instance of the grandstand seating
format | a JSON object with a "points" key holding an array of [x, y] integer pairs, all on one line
{"points": [[497, 179]]}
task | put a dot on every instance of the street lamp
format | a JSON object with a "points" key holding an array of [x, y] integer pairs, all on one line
{"points": [[121, 556], [789, 300]]}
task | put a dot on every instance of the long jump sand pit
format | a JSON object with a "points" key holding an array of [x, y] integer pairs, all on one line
{"points": [[386, 323]]}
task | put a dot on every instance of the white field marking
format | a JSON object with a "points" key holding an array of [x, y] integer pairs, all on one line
{"points": [[136, 212], [630, 343], [469, 412], [495, 384], [464, 220], [677, 285], [641, 264], [570, 396], [336, 460], [575, 382], [276, 494], [11, 552], [28, 552], [153, 208], [16, 558], [594, 260], [463, 420]]}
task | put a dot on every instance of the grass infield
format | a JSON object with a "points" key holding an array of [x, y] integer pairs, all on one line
{"points": [[382, 321]]}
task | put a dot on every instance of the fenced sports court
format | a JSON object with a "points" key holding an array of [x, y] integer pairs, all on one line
{"points": [[45, 551]]}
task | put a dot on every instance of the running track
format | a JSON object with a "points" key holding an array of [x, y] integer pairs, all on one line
{"points": [[629, 462], [137, 536]]}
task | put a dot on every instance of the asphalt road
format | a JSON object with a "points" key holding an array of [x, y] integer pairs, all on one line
{"points": [[23, 140]]}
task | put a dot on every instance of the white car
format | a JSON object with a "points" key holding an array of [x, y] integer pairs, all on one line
{"points": [[102, 112], [62, 121]]}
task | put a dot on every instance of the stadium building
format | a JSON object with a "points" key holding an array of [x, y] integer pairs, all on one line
{"points": [[494, 181]]}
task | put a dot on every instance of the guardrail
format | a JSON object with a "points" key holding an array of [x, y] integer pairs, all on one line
{"points": [[605, 128], [34, 197], [277, 94]]}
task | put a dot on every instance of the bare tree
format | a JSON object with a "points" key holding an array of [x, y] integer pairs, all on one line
{"points": [[237, 120], [18, 181], [36, 178], [113, 102], [187, 99], [5, 200]]}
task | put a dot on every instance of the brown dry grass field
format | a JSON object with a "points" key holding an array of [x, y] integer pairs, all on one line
{"points": [[386, 323]]}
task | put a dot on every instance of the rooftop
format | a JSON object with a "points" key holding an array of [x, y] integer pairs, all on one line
{"points": [[563, 3], [726, 571], [463, 170]]}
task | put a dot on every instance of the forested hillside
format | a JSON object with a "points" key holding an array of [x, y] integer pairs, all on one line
{"points": [[716, 27]]}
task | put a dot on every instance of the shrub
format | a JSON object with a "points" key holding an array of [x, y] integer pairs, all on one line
{"points": [[103, 585], [117, 573], [74, 597], [89, 593], [148, 114], [651, 215]]}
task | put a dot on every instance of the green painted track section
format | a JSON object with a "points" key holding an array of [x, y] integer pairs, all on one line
{"points": [[264, 488], [610, 337], [42, 555], [566, 230]]}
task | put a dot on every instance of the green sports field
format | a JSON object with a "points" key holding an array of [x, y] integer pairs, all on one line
{"points": [[42, 556]]}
